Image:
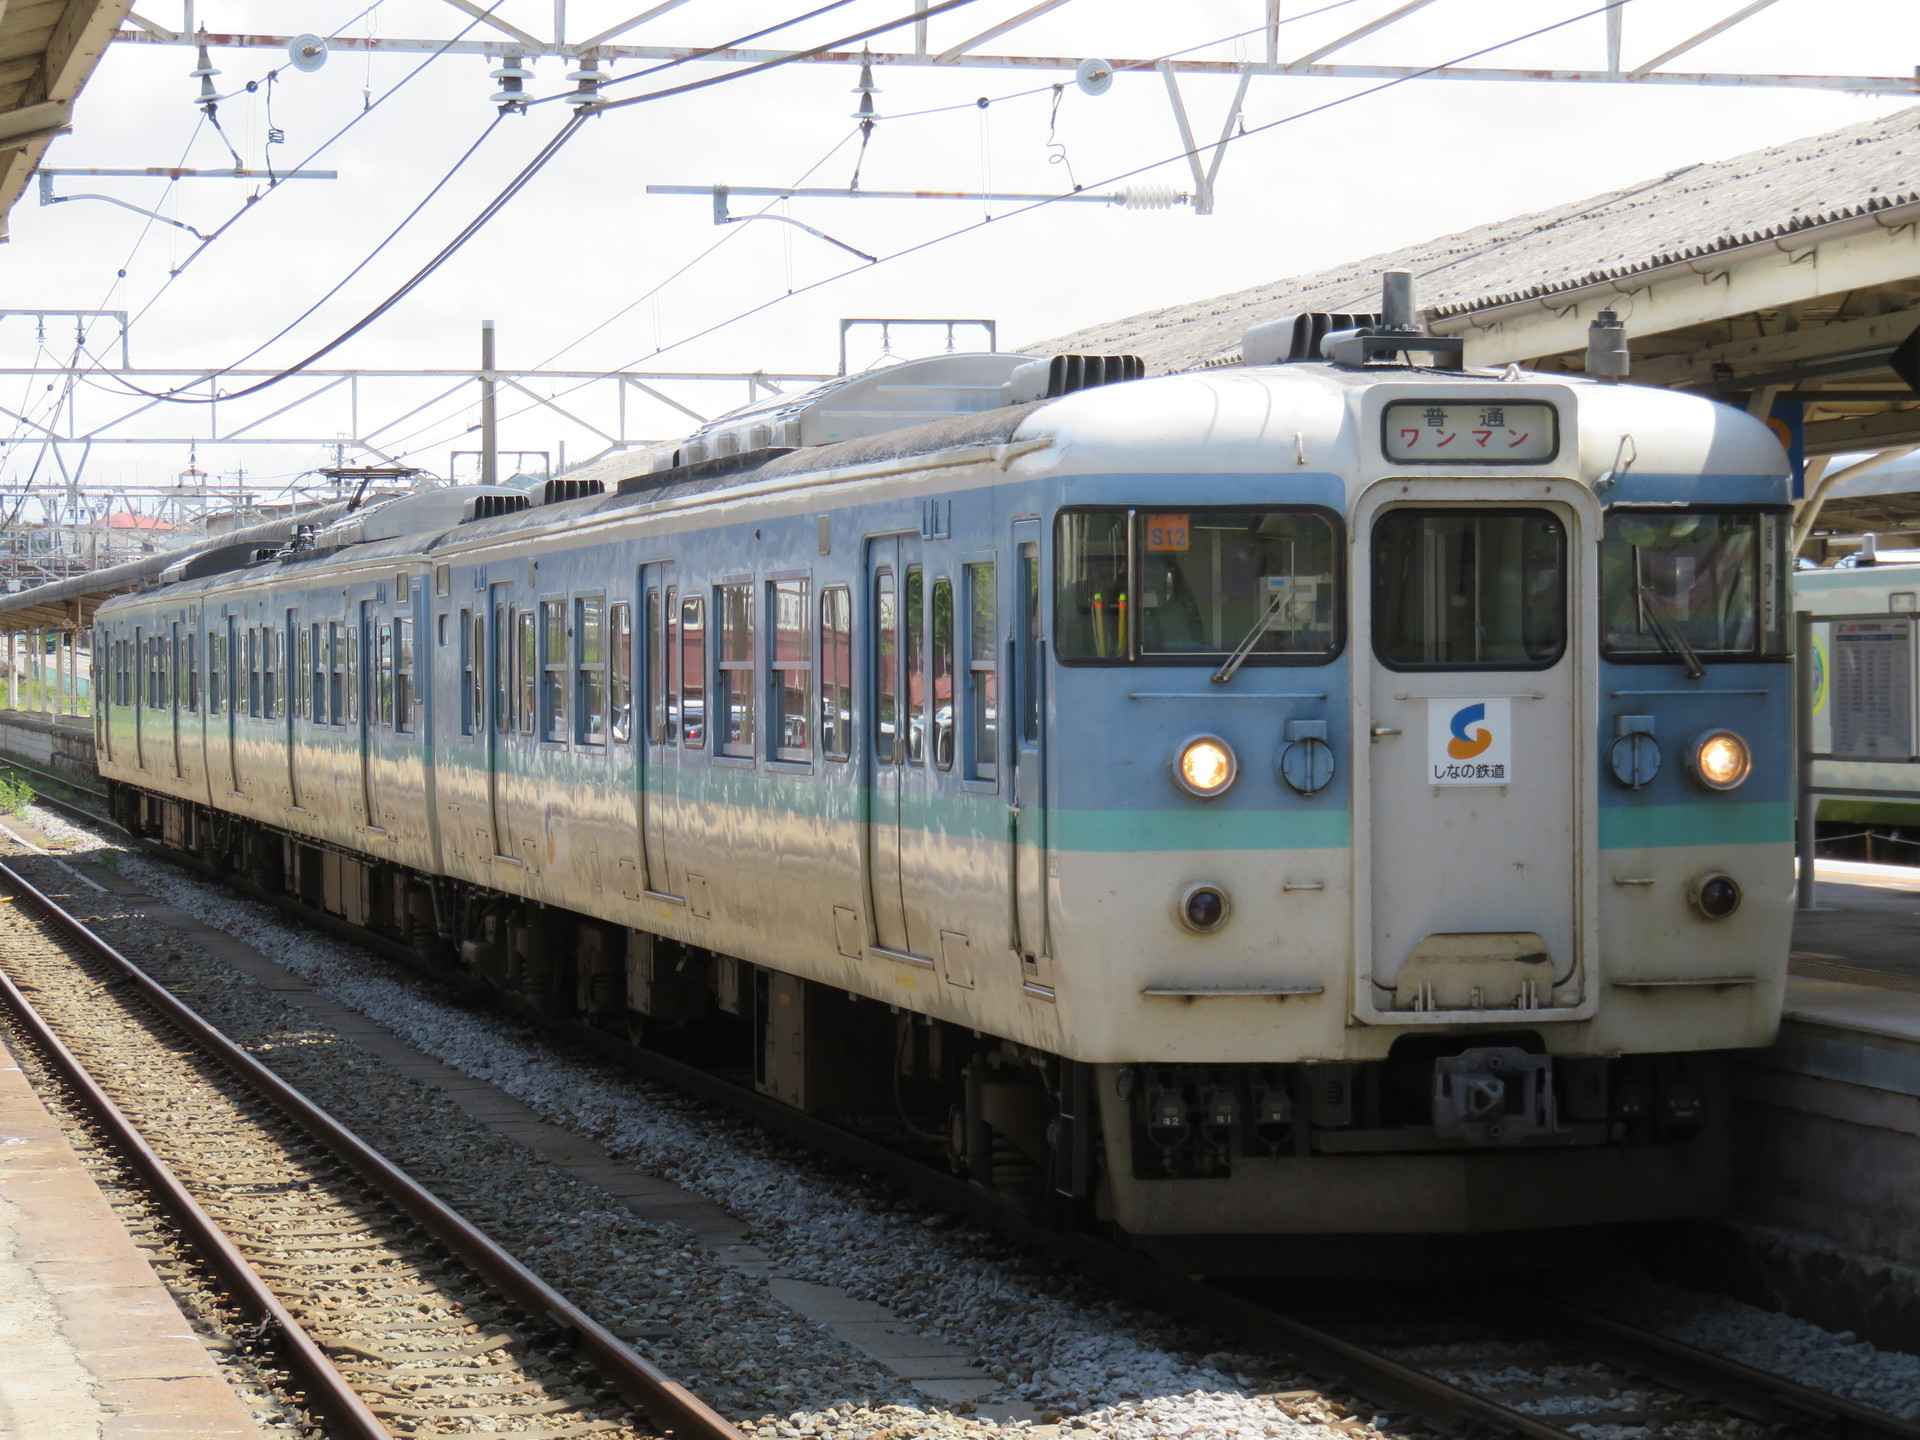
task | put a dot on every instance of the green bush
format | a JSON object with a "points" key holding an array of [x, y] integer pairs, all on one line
{"points": [[15, 794]]}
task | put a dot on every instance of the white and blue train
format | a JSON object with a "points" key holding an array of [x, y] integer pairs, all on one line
{"points": [[1320, 796]]}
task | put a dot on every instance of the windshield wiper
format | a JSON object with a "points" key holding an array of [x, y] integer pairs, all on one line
{"points": [[1245, 648], [1667, 635]]}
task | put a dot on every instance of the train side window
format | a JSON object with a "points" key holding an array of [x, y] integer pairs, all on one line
{"points": [[526, 669], [274, 643], [297, 680], [836, 672], [734, 678], [886, 671], [620, 671], [983, 675], [469, 657], [336, 679], [942, 624], [502, 669], [403, 691], [655, 623], [790, 604], [692, 668], [382, 708], [352, 678], [913, 622], [1028, 635], [252, 645], [163, 647], [216, 673], [553, 670], [316, 677], [193, 671], [476, 687], [590, 661]]}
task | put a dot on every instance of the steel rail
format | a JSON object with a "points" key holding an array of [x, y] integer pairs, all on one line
{"points": [[326, 1389], [1739, 1386], [672, 1405]]}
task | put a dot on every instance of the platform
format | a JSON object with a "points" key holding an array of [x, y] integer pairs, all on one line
{"points": [[92, 1347], [1867, 918]]}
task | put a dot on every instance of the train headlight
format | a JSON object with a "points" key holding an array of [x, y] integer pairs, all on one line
{"points": [[1720, 760], [1714, 896], [1205, 766], [1203, 908]]}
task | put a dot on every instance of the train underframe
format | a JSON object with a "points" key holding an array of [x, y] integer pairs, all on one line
{"points": [[1296, 1168]]}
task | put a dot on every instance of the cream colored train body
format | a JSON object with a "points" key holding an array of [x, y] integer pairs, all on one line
{"points": [[887, 695]]}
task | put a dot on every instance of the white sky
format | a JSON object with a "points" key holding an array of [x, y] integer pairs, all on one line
{"points": [[584, 240]]}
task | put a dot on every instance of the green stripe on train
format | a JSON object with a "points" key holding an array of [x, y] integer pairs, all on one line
{"points": [[1656, 826]]}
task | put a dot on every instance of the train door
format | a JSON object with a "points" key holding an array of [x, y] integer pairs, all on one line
{"points": [[1027, 670], [660, 728], [1475, 627]]}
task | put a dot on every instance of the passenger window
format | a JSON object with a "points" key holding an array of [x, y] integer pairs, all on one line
{"points": [[886, 672], [526, 669], [476, 686], [252, 643], [216, 673], [193, 672], [502, 669], [1028, 635], [693, 672], [553, 670], [836, 672], [1469, 589], [791, 602], [298, 681], [403, 691], [352, 686], [913, 622], [382, 715], [590, 658], [274, 642], [943, 673], [983, 695], [658, 648], [734, 678], [336, 677], [620, 671]]}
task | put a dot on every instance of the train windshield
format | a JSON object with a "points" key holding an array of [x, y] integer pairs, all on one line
{"points": [[1168, 587], [1470, 589], [1712, 582]]}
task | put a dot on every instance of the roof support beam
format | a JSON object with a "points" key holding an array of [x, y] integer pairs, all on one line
{"points": [[1640, 71], [948, 56], [630, 24], [1391, 17], [467, 7]]}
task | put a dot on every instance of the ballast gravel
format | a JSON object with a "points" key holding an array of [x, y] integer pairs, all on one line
{"points": [[1093, 1364], [1834, 1362]]}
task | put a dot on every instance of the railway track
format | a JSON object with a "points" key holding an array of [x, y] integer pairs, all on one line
{"points": [[392, 1314], [1524, 1367]]}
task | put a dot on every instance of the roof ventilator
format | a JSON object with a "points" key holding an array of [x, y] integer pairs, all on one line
{"points": [[1059, 375], [555, 491], [485, 507]]}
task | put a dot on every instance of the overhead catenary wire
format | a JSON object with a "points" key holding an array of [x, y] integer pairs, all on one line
{"points": [[1033, 206]]}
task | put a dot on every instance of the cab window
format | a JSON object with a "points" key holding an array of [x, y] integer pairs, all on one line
{"points": [[1193, 586], [1709, 581]]}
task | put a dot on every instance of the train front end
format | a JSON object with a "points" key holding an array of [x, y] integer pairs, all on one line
{"points": [[1420, 824]]}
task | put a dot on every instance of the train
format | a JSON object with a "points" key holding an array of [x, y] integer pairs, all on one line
{"points": [[1331, 805]]}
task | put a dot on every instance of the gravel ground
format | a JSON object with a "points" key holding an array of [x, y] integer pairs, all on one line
{"points": [[1837, 1363], [1055, 1340]]}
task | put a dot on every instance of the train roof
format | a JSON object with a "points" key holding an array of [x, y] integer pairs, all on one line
{"points": [[1243, 415]]}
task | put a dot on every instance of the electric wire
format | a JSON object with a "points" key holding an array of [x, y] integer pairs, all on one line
{"points": [[500, 201], [1032, 206]]}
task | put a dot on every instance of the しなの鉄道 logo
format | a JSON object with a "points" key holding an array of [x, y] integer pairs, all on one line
{"points": [[1470, 742]]}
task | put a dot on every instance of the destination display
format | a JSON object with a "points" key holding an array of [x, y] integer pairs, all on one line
{"points": [[1470, 432]]}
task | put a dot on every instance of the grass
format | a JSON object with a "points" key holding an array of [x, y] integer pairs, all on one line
{"points": [[15, 794]]}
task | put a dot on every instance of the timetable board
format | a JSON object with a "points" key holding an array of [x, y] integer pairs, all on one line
{"points": [[1872, 694]]}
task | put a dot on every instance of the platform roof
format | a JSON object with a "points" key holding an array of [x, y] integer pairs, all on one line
{"points": [[48, 48], [1782, 274]]}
